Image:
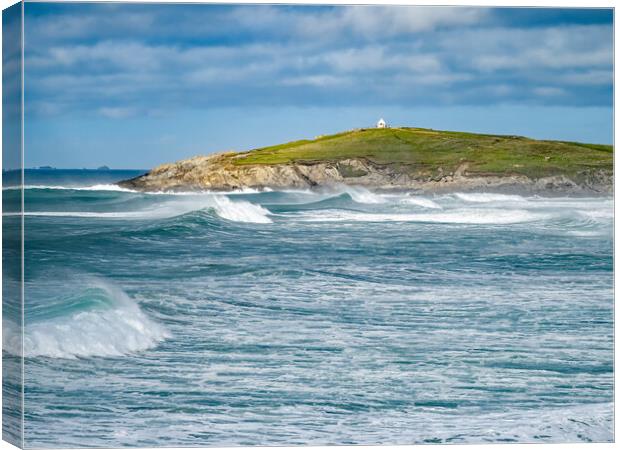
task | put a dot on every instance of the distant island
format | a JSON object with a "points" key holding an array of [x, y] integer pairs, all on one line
{"points": [[103, 168], [397, 158]]}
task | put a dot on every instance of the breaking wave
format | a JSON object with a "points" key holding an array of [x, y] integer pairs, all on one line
{"points": [[236, 211], [240, 211], [100, 320], [117, 188], [420, 201], [472, 216], [95, 187], [363, 195], [338, 204], [487, 198]]}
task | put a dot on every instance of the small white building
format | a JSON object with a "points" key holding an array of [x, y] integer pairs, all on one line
{"points": [[381, 123]]}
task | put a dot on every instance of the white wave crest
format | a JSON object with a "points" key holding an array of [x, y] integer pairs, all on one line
{"points": [[362, 195], [237, 211], [240, 211], [117, 188], [420, 201], [599, 215], [487, 198], [117, 331], [95, 187], [471, 217]]}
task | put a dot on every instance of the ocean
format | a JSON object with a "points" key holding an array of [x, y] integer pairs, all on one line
{"points": [[338, 316]]}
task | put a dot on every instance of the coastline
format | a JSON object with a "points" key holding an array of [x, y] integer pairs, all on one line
{"points": [[206, 176], [397, 159]]}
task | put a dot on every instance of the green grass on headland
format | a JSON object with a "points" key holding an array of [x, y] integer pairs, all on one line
{"points": [[425, 151]]}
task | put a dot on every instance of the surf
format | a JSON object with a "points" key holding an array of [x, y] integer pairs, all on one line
{"points": [[147, 208], [97, 320], [466, 217]]}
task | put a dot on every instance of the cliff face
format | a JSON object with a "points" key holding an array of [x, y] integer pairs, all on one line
{"points": [[398, 158], [221, 173]]}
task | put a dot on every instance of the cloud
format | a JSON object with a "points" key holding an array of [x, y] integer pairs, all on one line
{"points": [[80, 22], [549, 91], [379, 58], [364, 22], [587, 77], [493, 49], [132, 59], [117, 113], [375, 22], [319, 80]]}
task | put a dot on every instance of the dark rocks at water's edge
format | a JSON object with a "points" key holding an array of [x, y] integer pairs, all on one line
{"points": [[219, 173]]}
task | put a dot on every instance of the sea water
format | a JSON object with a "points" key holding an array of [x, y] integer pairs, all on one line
{"points": [[337, 316]]}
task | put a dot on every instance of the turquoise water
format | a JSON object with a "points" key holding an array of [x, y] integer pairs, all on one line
{"points": [[333, 317]]}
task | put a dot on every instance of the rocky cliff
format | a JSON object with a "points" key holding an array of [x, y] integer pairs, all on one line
{"points": [[295, 169]]}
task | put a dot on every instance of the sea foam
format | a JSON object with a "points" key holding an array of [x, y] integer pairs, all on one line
{"points": [[420, 201], [363, 195], [113, 328], [239, 211], [488, 197], [471, 216], [94, 187], [221, 205]]}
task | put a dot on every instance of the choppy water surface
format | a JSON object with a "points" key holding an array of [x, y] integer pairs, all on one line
{"points": [[334, 317]]}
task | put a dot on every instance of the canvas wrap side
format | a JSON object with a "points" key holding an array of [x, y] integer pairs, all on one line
{"points": [[12, 223]]}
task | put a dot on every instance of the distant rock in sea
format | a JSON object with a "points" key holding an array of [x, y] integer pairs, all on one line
{"points": [[103, 168]]}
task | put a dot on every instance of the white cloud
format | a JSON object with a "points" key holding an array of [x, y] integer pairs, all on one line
{"points": [[587, 78], [116, 112], [378, 58], [431, 79], [347, 55], [368, 22], [549, 91], [317, 80], [495, 49], [380, 21]]}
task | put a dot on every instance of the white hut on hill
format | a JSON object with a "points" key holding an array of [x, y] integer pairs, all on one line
{"points": [[381, 123]]}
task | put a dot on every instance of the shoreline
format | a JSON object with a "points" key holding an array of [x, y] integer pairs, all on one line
{"points": [[217, 173], [441, 189], [392, 159], [556, 186]]}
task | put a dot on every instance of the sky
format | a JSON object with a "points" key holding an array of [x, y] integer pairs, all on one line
{"points": [[137, 85]]}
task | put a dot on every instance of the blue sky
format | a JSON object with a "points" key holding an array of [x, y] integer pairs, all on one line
{"points": [[136, 85]]}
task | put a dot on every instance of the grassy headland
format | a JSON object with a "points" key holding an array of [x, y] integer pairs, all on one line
{"points": [[425, 151], [397, 158]]}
